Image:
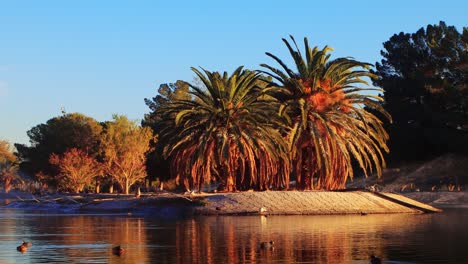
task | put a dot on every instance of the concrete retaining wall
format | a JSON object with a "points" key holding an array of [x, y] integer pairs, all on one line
{"points": [[311, 202]]}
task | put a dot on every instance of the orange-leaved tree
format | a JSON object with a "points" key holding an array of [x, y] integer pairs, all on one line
{"points": [[57, 135], [331, 116], [8, 166], [76, 169]]}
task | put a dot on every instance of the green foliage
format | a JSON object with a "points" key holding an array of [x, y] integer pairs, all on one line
{"points": [[425, 82], [167, 93], [329, 128], [58, 135], [124, 146], [228, 132]]}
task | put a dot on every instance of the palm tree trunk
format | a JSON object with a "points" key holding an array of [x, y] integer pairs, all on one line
{"points": [[230, 183]]}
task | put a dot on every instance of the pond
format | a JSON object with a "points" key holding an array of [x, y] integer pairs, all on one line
{"points": [[395, 238]]}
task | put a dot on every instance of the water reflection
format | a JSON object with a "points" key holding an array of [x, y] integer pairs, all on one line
{"points": [[73, 239], [438, 238], [313, 239]]}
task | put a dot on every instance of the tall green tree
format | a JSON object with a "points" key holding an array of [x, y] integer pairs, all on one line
{"points": [[326, 104], [425, 82], [167, 93], [58, 135], [8, 166], [228, 133], [157, 166], [124, 145]]}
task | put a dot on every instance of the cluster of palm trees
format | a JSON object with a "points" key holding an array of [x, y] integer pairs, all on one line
{"points": [[261, 129]]}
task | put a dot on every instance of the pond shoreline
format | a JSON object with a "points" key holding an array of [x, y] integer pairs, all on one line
{"points": [[165, 204]]}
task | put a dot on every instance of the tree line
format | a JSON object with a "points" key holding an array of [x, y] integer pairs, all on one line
{"points": [[315, 123], [424, 78], [76, 153]]}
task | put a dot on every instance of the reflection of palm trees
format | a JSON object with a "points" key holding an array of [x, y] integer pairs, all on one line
{"points": [[324, 239]]}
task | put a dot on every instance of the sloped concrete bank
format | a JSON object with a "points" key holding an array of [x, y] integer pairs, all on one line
{"points": [[309, 203], [243, 203]]}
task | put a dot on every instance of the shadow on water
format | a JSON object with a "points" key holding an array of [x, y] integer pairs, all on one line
{"points": [[58, 238]]}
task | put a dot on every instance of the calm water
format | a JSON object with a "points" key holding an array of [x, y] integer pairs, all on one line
{"points": [[57, 238]]}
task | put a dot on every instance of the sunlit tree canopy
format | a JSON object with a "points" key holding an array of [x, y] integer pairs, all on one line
{"points": [[58, 135], [77, 169], [327, 104], [228, 133], [8, 166], [124, 145]]}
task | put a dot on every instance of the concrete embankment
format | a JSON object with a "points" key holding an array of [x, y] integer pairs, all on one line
{"points": [[242, 203], [310, 203]]}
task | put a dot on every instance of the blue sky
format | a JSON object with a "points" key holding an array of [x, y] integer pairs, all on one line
{"points": [[104, 57]]}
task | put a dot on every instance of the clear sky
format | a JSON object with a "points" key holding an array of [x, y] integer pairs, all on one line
{"points": [[104, 57]]}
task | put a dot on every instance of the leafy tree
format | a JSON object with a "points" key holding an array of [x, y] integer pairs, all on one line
{"points": [[6, 154], [167, 93], [8, 166], [228, 133], [157, 166], [124, 146], [77, 169], [58, 135], [324, 102], [424, 77]]}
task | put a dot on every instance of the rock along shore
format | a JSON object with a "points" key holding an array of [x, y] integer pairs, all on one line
{"points": [[242, 203]]}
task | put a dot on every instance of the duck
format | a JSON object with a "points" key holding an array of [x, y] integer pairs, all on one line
{"points": [[27, 244], [267, 245], [375, 260], [22, 248], [118, 250]]}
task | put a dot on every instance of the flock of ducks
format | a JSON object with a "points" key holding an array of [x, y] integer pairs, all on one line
{"points": [[270, 245], [118, 250]]}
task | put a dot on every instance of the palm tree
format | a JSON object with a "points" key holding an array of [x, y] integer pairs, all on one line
{"points": [[331, 120], [228, 133]]}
